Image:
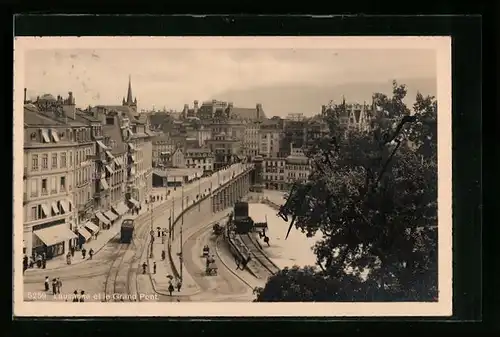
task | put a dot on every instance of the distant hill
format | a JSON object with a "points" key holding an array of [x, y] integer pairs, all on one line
{"points": [[307, 99]]}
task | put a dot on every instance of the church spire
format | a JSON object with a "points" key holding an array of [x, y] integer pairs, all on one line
{"points": [[129, 92]]}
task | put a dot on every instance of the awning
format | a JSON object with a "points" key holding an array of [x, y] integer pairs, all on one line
{"points": [[117, 162], [110, 155], [101, 217], [109, 169], [46, 210], [55, 234], [64, 205], [120, 209], [110, 215], [132, 147], [132, 157], [104, 184], [84, 232], [130, 132], [45, 136], [135, 202], [101, 145], [92, 226], [54, 135], [55, 209]]}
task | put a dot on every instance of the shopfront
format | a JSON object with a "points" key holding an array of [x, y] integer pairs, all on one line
{"points": [[92, 227], [120, 209], [111, 216], [52, 239], [83, 236], [102, 220]]}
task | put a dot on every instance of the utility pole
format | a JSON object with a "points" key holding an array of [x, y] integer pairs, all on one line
{"points": [[199, 194], [152, 232]]}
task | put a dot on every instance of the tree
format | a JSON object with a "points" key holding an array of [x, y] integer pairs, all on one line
{"points": [[373, 196]]}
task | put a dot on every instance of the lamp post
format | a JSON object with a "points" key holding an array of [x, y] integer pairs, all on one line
{"points": [[152, 233]]}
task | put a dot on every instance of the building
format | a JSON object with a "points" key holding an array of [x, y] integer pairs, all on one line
{"points": [[201, 158], [297, 167], [270, 138], [163, 147], [354, 116], [273, 173], [296, 117], [226, 150], [136, 133], [49, 184], [178, 159]]}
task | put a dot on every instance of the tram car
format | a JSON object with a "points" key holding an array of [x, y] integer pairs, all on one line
{"points": [[127, 230]]}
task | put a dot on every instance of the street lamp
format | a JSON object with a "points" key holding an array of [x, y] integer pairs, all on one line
{"points": [[182, 225], [152, 233]]}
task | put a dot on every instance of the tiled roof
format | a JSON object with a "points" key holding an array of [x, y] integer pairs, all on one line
{"points": [[114, 133], [32, 117], [247, 113], [83, 116]]}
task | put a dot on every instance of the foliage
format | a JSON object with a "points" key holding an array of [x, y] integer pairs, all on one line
{"points": [[373, 196]]}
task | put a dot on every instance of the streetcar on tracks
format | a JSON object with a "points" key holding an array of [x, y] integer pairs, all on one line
{"points": [[127, 230]]}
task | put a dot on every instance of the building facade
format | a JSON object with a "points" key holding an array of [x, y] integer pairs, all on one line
{"points": [[49, 185], [163, 147], [200, 158]]}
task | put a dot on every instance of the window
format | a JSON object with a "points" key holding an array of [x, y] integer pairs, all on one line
{"points": [[34, 188], [70, 158], [62, 183], [45, 161], [53, 185], [34, 162], [33, 136], [63, 159], [34, 213], [54, 160], [44, 186]]}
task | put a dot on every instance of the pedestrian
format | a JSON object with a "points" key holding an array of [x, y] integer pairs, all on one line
{"points": [[25, 263], [84, 252], [54, 286], [171, 288], [158, 232], [72, 251], [82, 296], [47, 283], [144, 265], [163, 255], [91, 253], [75, 296], [59, 285], [154, 267], [266, 240], [179, 285], [44, 264], [39, 261]]}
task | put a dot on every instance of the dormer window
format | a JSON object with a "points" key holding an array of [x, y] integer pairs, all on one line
{"points": [[61, 135], [33, 136]]}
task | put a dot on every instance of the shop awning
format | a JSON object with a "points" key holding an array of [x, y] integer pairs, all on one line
{"points": [[104, 184], [46, 210], [120, 209], [117, 161], [133, 158], [55, 209], [45, 136], [132, 147], [101, 217], [110, 215], [109, 169], [64, 205], [53, 132], [55, 234], [92, 226], [135, 202], [101, 145], [110, 155], [84, 232]]}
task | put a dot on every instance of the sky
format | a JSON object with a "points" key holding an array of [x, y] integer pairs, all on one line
{"points": [[172, 77]]}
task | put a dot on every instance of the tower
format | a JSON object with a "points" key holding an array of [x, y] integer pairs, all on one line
{"points": [[130, 102]]}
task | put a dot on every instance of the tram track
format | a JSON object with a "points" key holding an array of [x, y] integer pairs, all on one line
{"points": [[118, 284], [269, 268]]}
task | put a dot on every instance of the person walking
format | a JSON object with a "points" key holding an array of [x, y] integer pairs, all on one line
{"points": [[154, 267], [91, 253], [75, 296], [171, 288], [179, 285], [84, 252], [59, 285], [54, 286], [144, 265], [163, 255], [82, 296], [47, 283]]}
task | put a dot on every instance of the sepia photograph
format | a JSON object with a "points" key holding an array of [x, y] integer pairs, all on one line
{"points": [[264, 176]]}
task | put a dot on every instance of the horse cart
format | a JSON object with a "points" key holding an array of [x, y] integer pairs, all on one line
{"points": [[217, 229], [211, 268]]}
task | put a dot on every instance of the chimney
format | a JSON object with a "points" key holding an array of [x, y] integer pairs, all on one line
{"points": [[195, 107], [258, 107], [323, 109], [25, 91], [186, 108]]}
